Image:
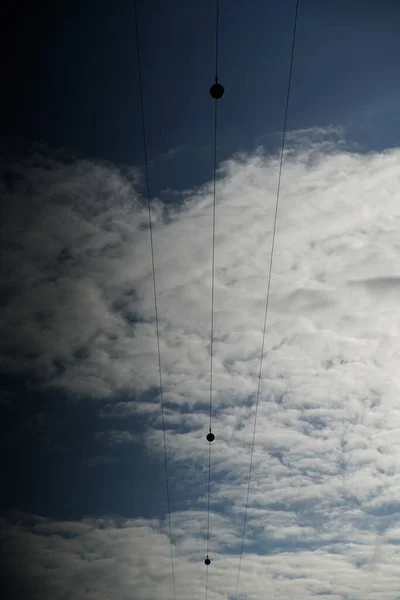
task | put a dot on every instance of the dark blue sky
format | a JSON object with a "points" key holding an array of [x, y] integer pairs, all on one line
{"points": [[72, 81]]}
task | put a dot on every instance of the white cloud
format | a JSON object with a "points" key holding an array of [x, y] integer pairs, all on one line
{"points": [[117, 558], [78, 310]]}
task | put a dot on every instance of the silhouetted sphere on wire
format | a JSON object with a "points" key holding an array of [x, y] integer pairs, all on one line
{"points": [[217, 91], [210, 437], [207, 561]]}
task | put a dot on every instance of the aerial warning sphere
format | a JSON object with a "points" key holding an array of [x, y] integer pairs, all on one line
{"points": [[207, 561], [210, 437], [217, 91]]}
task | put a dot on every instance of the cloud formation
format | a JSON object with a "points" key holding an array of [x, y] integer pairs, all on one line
{"points": [[78, 311], [120, 558]]}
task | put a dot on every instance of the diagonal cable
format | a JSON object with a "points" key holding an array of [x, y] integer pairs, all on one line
{"points": [[155, 296], [269, 287], [212, 315], [212, 279]]}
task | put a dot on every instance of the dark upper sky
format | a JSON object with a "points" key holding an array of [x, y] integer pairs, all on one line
{"points": [[71, 80]]}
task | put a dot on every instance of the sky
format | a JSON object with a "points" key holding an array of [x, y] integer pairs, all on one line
{"points": [[83, 504]]}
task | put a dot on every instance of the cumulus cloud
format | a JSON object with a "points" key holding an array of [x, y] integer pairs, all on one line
{"points": [[120, 558], [78, 311]]}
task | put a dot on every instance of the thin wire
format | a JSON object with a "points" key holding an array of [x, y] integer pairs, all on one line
{"points": [[216, 40], [208, 512], [269, 285], [211, 336], [212, 280], [209, 485], [155, 295], [213, 258], [212, 329]]}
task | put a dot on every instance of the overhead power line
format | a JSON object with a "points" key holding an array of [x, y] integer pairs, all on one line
{"points": [[216, 92], [155, 294], [269, 285]]}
